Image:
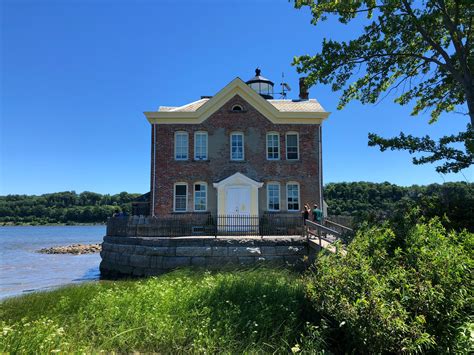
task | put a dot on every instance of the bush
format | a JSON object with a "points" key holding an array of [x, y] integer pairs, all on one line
{"points": [[397, 293]]}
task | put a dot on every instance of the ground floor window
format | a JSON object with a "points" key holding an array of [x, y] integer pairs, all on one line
{"points": [[273, 197], [180, 197], [293, 196], [200, 197]]}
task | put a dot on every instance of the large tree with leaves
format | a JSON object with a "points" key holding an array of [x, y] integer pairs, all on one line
{"points": [[420, 50]]}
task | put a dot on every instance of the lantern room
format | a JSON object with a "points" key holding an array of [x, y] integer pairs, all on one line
{"points": [[261, 85]]}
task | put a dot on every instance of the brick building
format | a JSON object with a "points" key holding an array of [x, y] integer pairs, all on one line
{"points": [[239, 152]]}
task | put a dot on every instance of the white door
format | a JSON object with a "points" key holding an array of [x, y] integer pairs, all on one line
{"points": [[238, 201], [238, 209]]}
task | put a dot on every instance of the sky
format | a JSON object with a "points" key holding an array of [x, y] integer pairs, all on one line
{"points": [[77, 75]]}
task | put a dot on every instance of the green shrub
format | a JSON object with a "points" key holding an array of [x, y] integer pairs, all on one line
{"points": [[406, 293]]}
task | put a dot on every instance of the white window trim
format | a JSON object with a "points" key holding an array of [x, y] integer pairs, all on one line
{"points": [[268, 196], [297, 144], [243, 145], [194, 196], [176, 144], [207, 145], [279, 150], [174, 196], [299, 195]]}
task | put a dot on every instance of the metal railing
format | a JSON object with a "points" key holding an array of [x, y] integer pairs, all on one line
{"points": [[205, 224], [346, 233], [327, 236]]}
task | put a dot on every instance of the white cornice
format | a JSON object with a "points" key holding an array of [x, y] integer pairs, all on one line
{"points": [[236, 87]]}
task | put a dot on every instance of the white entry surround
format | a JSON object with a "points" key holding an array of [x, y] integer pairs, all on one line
{"points": [[237, 195]]}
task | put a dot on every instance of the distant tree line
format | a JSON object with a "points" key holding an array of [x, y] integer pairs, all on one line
{"points": [[364, 201], [63, 207], [374, 202]]}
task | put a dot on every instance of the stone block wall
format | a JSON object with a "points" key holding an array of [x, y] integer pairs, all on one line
{"points": [[142, 256]]}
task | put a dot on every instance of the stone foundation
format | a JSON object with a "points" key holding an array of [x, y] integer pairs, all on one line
{"points": [[141, 256]]}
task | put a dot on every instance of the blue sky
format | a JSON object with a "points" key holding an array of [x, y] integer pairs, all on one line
{"points": [[76, 77]]}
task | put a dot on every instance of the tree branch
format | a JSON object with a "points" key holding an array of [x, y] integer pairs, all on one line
{"points": [[428, 39]]}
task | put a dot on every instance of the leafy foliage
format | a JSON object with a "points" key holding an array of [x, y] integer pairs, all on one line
{"points": [[392, 293], [422, 51], [375, 202], [457, 159], [63, 207]]}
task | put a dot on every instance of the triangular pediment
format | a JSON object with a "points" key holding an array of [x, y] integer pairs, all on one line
{"points": [[240, 88], [238, 179]]}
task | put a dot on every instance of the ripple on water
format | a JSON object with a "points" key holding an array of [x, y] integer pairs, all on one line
{"points": [[23, 270]]}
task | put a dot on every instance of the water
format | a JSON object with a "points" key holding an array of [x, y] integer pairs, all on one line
{"points": [[23, 270]]}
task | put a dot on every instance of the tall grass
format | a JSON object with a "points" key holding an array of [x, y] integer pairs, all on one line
{"points": [[257, 310]]}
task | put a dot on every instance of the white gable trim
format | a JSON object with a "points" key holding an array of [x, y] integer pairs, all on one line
{"points": [[238, 179], [235, 87]]}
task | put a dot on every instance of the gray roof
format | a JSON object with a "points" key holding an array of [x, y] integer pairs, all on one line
{"points": [[311, 105]]}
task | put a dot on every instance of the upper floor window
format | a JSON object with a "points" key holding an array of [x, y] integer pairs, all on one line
{"points": [[292, 146], [181, 146], [180, 197], [273, 146], [200, 196], [237, 146], [200, 146], [237, 108], [273, 197], [293, 196]]}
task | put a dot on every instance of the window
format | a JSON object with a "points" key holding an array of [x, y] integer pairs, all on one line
{"points": [[180, 197], [200, 146], [237, 108], [273, 146], [200, 197], [181, 146], [237, 146], [273, 197], [293, 196], [292, 151]]}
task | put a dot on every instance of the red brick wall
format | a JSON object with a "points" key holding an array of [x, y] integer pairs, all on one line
{"points": [[219, 125]]}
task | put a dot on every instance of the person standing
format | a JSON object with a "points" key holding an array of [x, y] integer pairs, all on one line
{"points": [[317, 214], [305, 213]]}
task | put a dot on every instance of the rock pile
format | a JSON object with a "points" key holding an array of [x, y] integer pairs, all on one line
{"points": [[75, 249]]}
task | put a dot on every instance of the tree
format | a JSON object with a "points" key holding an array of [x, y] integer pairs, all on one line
{"points": [[422, 51]]}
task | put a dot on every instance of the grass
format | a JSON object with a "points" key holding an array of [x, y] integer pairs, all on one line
{"points": [[251, 311]]}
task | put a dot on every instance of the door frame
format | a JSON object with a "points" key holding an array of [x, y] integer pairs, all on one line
{"points": [[237, 180]]}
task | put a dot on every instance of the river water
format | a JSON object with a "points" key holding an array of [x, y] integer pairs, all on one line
{"points": [[23, 270]]}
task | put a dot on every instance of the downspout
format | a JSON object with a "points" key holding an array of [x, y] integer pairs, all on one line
{"points": [[154, 172], [321, 169]]}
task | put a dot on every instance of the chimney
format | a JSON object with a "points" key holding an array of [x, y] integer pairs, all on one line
{"points": [[303, 89]]}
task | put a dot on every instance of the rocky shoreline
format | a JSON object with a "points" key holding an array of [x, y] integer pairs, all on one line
{"points": [[76, 249]]}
